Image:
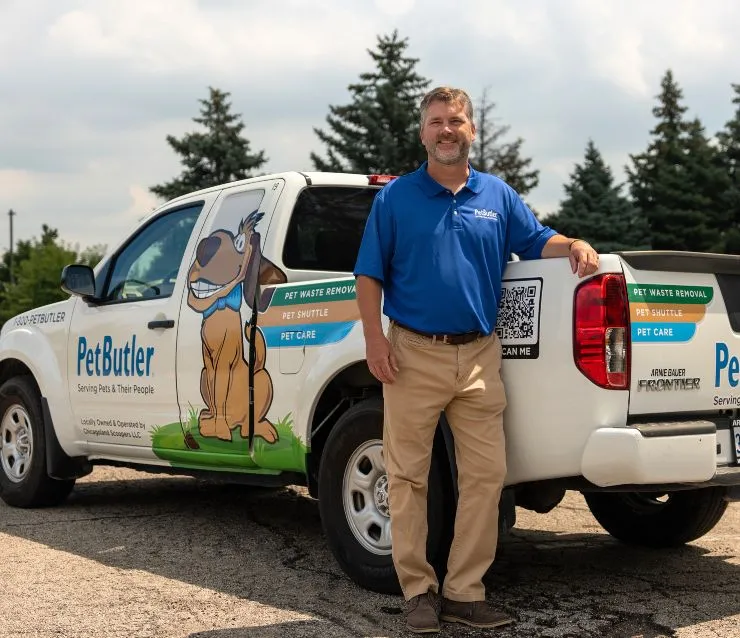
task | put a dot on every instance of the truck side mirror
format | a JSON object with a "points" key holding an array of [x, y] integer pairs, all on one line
{"points": [[79, 280]]}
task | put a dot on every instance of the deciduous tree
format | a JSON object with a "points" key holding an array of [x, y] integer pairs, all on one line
{"points": [[503, 159]]}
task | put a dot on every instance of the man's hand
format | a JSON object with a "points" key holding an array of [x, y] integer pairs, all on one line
{"points": [[378, 351], [380, 359], [583, 258]]}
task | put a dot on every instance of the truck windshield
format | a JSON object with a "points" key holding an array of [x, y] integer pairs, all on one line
{"points": [[326, 228]]}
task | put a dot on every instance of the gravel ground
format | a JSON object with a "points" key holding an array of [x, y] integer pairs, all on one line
{"points": [[139, 556]]}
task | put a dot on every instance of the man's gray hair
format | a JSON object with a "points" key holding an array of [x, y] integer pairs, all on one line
{"points": [[448, 95]]}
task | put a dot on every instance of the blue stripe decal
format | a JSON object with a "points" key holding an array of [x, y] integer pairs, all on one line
{"points": [[671, 332], [308, 334]]}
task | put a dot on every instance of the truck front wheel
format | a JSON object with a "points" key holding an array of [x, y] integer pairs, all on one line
{"points": [[354, 506], [24, 481], [665, 519]]}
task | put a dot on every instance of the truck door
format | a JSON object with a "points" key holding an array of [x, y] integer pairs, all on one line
{"points": [[121, 352], [212, 341]]}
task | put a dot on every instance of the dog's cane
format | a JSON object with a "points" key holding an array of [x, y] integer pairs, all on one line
{"points": [[251, 287], [252, 357]]}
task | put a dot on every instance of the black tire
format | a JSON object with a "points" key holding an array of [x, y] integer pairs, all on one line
{"points": [[359, 425], [24, 481], [643, 519]]}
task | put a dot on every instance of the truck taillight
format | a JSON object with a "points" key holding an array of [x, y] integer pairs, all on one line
{"points": [[380, 180], [601, 331]]}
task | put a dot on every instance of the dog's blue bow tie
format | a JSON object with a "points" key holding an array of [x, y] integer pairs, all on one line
{"points": [[233, 300]]}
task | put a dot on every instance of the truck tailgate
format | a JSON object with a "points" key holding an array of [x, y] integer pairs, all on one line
{"points": [[685, 332]]}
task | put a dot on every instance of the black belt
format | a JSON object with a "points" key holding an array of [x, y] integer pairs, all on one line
{"points": [[451, 339]]}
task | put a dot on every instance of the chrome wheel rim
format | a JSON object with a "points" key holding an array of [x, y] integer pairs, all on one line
{"points": [[365, 496], [16, 443]]}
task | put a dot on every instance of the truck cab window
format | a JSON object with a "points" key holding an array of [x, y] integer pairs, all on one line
{"points": [[326, 228], [148, 265]]}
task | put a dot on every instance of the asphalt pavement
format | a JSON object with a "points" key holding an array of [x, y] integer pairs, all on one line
{"points": [[140, 556]]}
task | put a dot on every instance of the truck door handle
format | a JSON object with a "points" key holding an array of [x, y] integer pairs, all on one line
{"points": [[161, 323]]}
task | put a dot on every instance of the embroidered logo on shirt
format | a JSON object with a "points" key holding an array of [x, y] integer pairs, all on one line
{"points": [[486, 214]]}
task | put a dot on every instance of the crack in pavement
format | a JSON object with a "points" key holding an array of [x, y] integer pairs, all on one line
{"points": [[646, 619], [84, 520], [579, 601]]}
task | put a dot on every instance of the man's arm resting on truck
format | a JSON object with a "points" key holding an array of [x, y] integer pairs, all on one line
{"points": [[379, 354], [583, 258]]}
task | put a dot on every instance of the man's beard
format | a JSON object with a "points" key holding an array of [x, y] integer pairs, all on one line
{"points": [[451, 156]]}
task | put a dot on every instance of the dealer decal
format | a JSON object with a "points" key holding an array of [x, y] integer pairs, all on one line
{"points": [[668, 380]]}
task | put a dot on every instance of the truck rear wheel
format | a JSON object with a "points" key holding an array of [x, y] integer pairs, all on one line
{"points": [[353, 501], [24, 481], [666, 519]]}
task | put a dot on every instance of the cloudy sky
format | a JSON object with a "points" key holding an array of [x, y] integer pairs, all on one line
{"points": [[90, 88]]}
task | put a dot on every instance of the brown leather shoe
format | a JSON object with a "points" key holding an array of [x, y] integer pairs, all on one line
{"points": [[475, 614], [422, 614]]}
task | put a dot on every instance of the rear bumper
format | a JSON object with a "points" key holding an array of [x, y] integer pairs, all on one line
{"points": [[728, 475], [656, 454]]}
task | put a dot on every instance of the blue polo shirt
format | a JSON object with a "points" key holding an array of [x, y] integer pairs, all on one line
{"points": [[441, 256]]}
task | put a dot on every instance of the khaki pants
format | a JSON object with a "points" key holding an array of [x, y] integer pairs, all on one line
{"points": [[465, 382]]}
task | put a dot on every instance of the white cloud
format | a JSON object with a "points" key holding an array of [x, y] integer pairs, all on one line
{"points": [[15, 184], [176, 36], [92, 87], [395, 7]]}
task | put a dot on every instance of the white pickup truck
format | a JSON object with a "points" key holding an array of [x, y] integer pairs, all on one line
{"points": [[222, 337]]}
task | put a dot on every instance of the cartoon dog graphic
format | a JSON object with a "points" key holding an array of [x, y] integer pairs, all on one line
{"points": [[227, 269]]}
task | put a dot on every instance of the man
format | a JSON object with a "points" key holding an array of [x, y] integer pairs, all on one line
{"points": [[436, 244]]}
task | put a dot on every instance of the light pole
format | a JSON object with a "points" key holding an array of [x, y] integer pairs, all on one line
{"points": [[11, 214]]}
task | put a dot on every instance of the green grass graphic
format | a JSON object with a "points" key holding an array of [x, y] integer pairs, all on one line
{"points": [[288, 453], [182, 445]]}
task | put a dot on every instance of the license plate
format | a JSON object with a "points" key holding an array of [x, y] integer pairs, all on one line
{"points": [[736, 440]]}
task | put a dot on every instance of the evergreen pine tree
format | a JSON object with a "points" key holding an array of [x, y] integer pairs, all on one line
{"points": [[675, 181], [501, 159], [596, 210], [710, 184], [216, 156], [729, 149], [378, 131]]}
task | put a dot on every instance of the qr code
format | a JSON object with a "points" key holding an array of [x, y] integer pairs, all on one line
{"points": [[518, 313]]}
